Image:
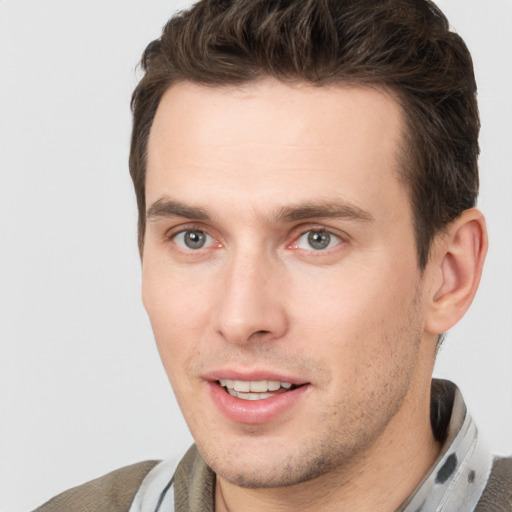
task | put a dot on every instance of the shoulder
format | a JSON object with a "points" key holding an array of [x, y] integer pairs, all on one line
{"points": [[113, 492], [497, 495]]}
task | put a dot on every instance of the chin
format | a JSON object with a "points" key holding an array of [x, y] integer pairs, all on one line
{"points": [[270, 469]]}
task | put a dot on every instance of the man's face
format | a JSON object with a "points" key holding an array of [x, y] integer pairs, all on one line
{"points": [[280, 267]]}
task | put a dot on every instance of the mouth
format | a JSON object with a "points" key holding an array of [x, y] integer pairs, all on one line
{"points": [[256, 400], [255, 389]]}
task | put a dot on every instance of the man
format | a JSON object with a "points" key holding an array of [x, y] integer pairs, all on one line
{"points": [[306, 176]]}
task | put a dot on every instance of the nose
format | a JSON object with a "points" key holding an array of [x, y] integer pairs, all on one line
{"points": [[251, 302]]}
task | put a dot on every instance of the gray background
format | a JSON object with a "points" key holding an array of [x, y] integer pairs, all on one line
{"points": [[82, 388]]}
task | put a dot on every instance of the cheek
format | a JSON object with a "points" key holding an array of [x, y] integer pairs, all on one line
{"points": [[177, 307], [173, 295], [357, 318]]}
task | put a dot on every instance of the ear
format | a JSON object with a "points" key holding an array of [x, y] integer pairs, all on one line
{"points": [[456, 267]]}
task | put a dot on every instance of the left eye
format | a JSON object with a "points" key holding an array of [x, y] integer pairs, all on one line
{"points": [[193, 239], [317, 240]]}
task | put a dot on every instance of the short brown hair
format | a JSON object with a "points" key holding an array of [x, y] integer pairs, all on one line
{"points": [[403, 45]]}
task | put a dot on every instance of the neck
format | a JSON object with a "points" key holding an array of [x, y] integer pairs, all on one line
{"points": [[379, 480]]}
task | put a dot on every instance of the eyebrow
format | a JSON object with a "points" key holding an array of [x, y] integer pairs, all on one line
{"points": [[165, 207], [324, 210]]}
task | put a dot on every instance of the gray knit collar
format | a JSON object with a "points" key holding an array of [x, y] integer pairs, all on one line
{"points": [[458, 476]]}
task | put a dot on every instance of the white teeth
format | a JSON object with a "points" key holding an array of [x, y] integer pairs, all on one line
{"points": [[273, 385], [242, 385], [253, 396], [261, 386], [255, 386], [227, 383], [249, 396]]}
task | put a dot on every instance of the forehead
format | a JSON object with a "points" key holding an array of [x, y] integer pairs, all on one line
{"points": [[265, 141]]}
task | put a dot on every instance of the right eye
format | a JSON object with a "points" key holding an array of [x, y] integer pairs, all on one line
{"points": [[193, 239]]}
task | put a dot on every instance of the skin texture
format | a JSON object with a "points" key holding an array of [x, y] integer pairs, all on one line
{"points": [[255, 170]]}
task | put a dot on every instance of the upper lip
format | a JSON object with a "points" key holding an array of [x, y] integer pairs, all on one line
{"points": [[253, 375]]}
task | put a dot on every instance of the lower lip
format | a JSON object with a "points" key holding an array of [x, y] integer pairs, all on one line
{"points": [[254, 412]]}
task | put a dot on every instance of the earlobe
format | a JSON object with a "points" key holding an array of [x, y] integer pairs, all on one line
{"points": [[457, 262]]}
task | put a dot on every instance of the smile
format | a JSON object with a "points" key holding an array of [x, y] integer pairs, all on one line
{"points": [[256, 400], [255, 389]]}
